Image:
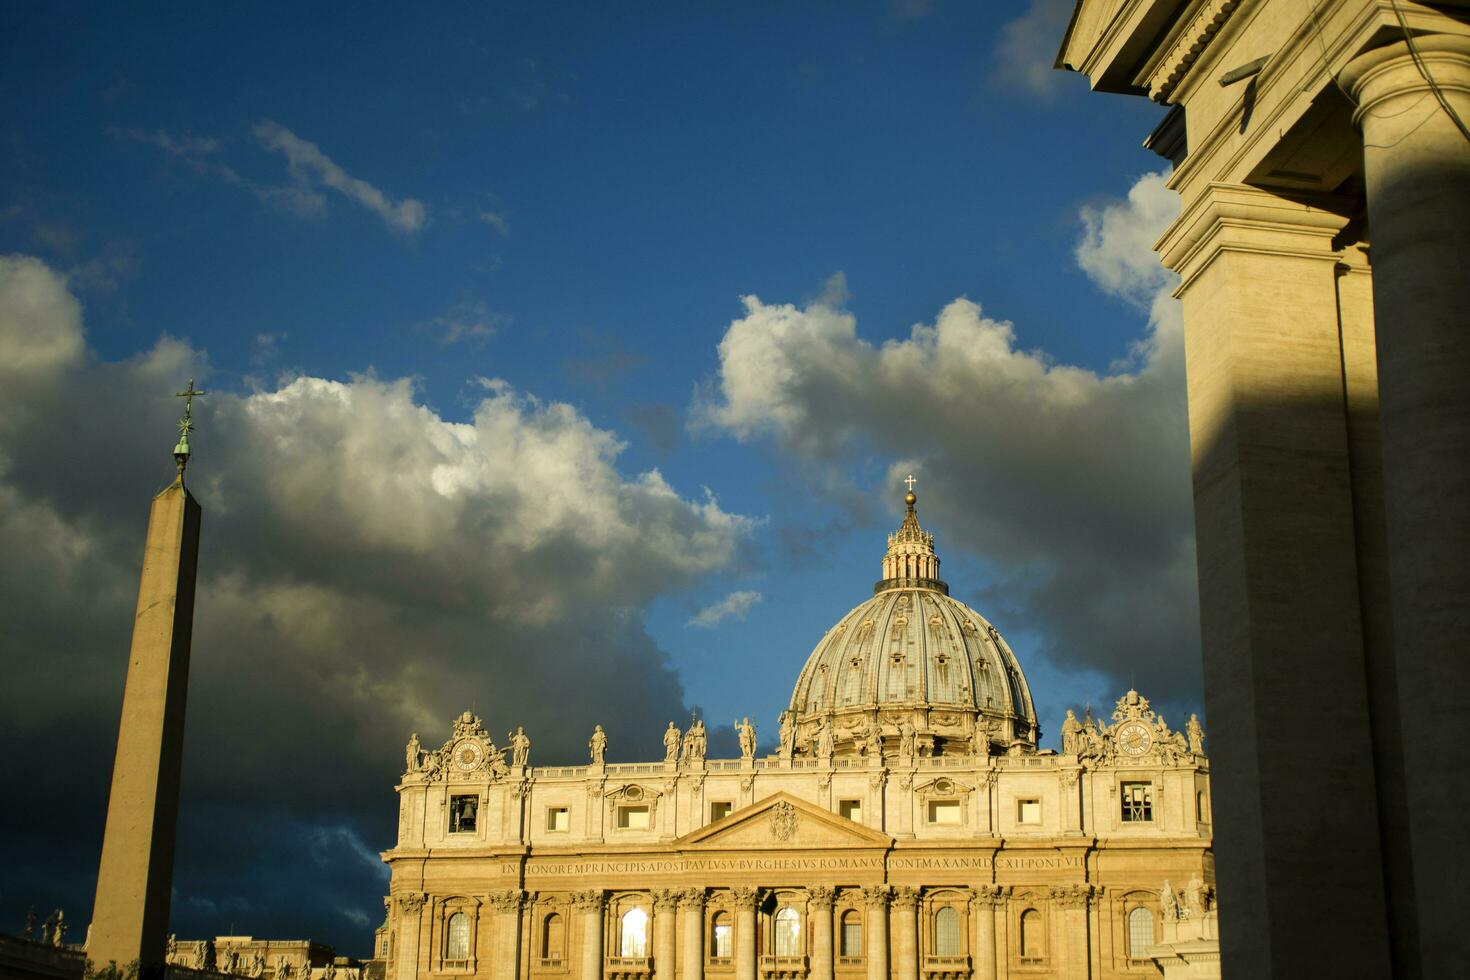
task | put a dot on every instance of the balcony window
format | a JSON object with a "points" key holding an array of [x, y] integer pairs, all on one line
{"points": [[722, 937], [788, 932], [947, 932], [457, 938], [633, 934]]}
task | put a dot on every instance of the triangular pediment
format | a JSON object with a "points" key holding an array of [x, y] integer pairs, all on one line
{"points": [[783, 821]]}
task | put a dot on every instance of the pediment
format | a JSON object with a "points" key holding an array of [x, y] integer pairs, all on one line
{"points": [[783, 821]]}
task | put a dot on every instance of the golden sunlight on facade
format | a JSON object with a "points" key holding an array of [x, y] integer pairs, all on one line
{"points": [[907, 825]]}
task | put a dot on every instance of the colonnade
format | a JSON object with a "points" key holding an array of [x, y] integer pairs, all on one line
{"points": [[892, 946]]}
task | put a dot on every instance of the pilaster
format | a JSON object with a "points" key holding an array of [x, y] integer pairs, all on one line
{"points": [[1281, 620], [983, 904], [875, 933], [820, 899], [665, 933], [410, 923], [590, 905], [905, 905], [507, 905], [744, 900], [691, 909]]}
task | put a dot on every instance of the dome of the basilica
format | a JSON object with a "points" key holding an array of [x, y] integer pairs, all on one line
{"points": [[915, 662]]}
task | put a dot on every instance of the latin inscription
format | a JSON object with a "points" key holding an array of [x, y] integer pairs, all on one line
{"points": [[677, 866]]}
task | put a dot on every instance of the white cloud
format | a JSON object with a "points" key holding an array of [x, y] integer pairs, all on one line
{"points": [[1026, 50], [1073, 484], [498, 221], [467, 320], [735, 605], [311, 167], [368, 567]]}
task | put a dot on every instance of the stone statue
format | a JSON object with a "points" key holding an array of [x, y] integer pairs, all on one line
{"points": [[430, 766], [1071, 734], [257, 965], [1194, 896], [597, 745], [171, 949], [746, 732], [824, 740], [1168, 904], [201, 956], [980, 739], [906, 736], [329, 972], [412, 754], [283, 969], [520, 747], [30, 922], [788, 735], [874, 739], [672, 737], [59, 930], [1196, 735], [695, 742]]}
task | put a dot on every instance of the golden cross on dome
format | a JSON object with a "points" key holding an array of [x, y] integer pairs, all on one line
{"points": [[909, 480]]}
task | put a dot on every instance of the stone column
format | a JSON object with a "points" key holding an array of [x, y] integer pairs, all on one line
{"points": [[745, 899], [1073, 954], [590, 903], [1285, 659], [507, 941], [691, 905], [410, 920], [983, 948], [875, 940], [906, 932], [665, 932], [819, 906], [1416, 166]]}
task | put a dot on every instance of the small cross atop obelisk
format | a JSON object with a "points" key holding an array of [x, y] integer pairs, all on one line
{"points": [[910, 481], [186, 425]]}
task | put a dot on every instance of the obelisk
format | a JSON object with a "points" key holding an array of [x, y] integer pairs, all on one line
{"points": [[130, 915]]}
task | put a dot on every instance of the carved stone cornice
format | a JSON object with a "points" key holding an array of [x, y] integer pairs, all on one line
{"points": [[665, 899], [411, 901], [588, 901], [1071, 896], [821, 897], [507, 900], [905, 898], [876, 896], [691, 899], [1191, 36]]}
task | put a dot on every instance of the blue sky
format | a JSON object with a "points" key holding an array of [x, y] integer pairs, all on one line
{"points": [[533, 331]]}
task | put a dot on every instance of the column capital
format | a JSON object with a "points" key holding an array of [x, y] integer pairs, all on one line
{"points": [[989, 896], [1071, 896], [691, 899], [666, 899], [876, 896], [821, 897], [905, 898], [744, 898], [410, 901], [509, 899], [1234, 217], [587, 901], [1382, 74]]}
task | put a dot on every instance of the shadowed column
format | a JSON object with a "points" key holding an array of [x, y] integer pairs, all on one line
{"points": [[589, 903], [876, 899], [691, 902], [819, 900], [744, 933]]}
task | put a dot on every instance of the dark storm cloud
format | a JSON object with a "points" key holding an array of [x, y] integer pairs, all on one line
{"points": [[368, 569]]}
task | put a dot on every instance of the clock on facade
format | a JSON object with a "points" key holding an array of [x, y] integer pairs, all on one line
{"points": [[1134, 738]]}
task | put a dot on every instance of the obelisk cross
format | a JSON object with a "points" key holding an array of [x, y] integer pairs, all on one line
{"points": [[186, 425], [909, 480]]}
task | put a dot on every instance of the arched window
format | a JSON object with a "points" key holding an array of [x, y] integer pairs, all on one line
{"points": [[457, 937], [634, 933], [1140, 933], [788, 932], [721, 939], [852, 933], [551, 937], [1031, 937], [947, 932]]}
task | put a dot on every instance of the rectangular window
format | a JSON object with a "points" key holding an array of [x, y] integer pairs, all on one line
{"points": [[558, 818], [719, 810], [1138, 802], [852, 936], [850, 810], [724, 940], [945, 813], [633, 818], [1028, 811], [462, 813]]}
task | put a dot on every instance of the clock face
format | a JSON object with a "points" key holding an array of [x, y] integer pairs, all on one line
{"points": [[1134, 738], [467, 755]]}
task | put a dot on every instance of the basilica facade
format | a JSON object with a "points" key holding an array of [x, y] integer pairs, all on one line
{"points": [[907, 825]]}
